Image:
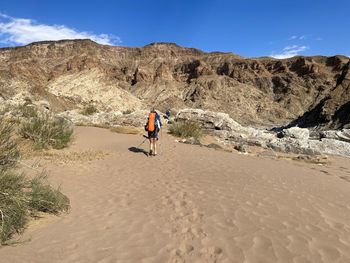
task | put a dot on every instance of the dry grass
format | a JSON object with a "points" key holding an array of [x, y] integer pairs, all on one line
{"points": [[186, 129], [21, 197], [9, 152], [71, 157], [89, 109], [47, 131]]}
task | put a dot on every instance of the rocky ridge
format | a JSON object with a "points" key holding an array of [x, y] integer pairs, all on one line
{"points": [[69, 74]]}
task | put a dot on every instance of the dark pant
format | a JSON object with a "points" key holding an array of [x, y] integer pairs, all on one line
{"points": [[153, 134]]}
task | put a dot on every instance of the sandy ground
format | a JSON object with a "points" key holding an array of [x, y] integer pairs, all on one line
{"points": [[190, 204]]}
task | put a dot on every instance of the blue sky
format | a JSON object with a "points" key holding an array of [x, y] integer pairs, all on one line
{"points": [[249, 28]]}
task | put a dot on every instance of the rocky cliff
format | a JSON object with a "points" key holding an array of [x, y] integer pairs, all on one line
{"points": [[261, 91]]}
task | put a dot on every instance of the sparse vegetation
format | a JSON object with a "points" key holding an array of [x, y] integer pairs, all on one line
{"points": [[45, 198], [27, 111], [186, 129], [47, 131], [9, 152], [4, 109], [21, 197], [89, 110]]}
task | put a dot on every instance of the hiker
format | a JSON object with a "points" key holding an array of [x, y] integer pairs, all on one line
{"points": [[153, 127], [167, 115]]}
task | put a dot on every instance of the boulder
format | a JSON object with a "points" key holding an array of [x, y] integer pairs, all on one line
{"points": [[341, 135], [296, 133], [208, 119], [331, 146], [136, 119]]}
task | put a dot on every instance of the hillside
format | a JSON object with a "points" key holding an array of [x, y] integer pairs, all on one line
{"points": [[260, 91]]}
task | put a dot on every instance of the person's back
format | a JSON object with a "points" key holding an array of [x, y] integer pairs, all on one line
{"points": [[153, 127]]}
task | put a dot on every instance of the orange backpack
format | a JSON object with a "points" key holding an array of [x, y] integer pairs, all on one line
{"points": [[151, 121]]}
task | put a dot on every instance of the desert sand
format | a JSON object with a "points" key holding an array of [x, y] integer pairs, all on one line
{"points": [[189, 204]]}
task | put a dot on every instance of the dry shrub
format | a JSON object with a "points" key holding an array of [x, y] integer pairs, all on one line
{"points": [[21, 198], [46, 131], [186, 129], [9, 152], [89, 110]]}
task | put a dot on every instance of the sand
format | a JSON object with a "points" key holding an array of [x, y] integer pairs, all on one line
{"points": [[189, 204]]}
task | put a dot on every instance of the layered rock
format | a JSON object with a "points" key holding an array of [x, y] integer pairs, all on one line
{"points": [[259, 91]]}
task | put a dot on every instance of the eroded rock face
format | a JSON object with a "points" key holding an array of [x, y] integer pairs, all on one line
{"points": [[258, 91]]}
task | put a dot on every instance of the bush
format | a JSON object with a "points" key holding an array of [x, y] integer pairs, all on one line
{"points": [[27, 111], [13, 206], [89, 110], [186, 129], [47, 131], [4, 110], [9, 152], [21, 198], [44, 198]]}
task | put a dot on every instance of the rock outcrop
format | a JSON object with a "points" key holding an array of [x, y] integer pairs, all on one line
{"points": [[291, 140], [69, 74]]}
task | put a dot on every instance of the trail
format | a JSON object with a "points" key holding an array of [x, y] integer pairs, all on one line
{"points": [[190, 204]]}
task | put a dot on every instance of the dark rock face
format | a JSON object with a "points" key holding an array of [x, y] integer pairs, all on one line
{"points": [[333, 111], [262, 91]]}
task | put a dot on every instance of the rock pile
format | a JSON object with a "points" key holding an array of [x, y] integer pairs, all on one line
{"points": [[291, 140]]}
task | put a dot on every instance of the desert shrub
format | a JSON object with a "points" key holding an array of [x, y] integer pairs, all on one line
{"points": [[44, 198], [9, 152], [4, 109], [186, 129], [13, 206], [21, 198], [27, 111], [89, 110], [46, 131]]}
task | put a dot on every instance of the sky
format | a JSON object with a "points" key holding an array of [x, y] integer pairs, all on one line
{"points": [[250, 28]]}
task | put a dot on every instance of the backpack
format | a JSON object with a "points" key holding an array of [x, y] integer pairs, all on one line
{"points": [[151, 122]]}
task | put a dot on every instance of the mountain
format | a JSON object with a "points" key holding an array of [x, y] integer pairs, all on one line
{"points": [[264, 91]]}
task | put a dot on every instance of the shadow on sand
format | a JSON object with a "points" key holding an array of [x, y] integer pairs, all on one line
{"points": [[138, 150]]}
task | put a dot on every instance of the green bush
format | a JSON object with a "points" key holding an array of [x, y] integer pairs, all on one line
{"points": [[186, 129], [27, 111], [89, 110], [13, 205], [47, 131], [9, 152], [21, 198], [46, 199]]}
